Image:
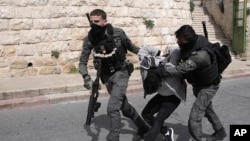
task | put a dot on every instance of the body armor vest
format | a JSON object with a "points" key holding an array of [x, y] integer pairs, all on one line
{"points": [[205, 75], [111, 52]]}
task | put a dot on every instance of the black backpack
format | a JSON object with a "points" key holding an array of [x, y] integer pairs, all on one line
{"points": [[222, 54]]}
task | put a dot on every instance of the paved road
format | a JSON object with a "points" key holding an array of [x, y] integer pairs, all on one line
{"points": [[65, 121]]}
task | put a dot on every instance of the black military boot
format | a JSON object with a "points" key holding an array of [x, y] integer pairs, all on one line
{"points": [[142, 129], [217, 135]]}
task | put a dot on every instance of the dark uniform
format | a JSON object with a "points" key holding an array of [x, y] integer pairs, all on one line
{"points": [[115, 75], [201, 71]]}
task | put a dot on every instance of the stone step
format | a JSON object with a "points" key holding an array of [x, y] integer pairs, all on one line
{"points": [[199, 22], [210, 31], [199, 12], [202, 17], [215, 35], [208, 26]]}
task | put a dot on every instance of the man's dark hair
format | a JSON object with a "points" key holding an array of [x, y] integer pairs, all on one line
{"points": [[186, 32], [98, 12], [152, 83]]}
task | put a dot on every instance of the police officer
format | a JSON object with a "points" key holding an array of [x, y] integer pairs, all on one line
{"points": [[201, 71], [110, 45]]}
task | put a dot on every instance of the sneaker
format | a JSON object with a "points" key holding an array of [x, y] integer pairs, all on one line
{"points": [[218, 135], [169, 136]]}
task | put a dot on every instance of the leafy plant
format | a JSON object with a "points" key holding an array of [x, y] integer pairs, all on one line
{"points": [[149, 23], [191, 3], [55, 54], [73, 69]]}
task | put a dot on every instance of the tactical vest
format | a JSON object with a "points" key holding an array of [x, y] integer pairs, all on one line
{"points": [[111, 52], [206, 75]]}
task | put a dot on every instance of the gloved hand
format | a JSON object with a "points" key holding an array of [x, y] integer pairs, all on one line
{"points": [[87, 82], [160, 71]]}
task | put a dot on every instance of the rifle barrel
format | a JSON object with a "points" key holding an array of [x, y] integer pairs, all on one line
{"points": [[204, 29], [88, 16]]}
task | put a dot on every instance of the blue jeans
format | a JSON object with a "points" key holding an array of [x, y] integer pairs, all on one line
{"points": [[203, 107]]}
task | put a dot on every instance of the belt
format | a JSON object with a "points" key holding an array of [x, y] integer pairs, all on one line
{"points": [[122, 68]]}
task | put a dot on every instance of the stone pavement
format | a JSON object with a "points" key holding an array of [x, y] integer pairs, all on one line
{"points": [[49, 89]]}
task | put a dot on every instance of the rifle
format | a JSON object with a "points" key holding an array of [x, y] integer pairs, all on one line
{"points": [[93, 104], [88, 17], [204, 29]]}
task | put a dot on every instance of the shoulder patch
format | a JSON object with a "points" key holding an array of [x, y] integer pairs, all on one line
{"points": [[194, 53]]}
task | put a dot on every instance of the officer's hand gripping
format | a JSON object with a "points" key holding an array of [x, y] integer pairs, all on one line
{"points": [[87, 82], [160, 71]]}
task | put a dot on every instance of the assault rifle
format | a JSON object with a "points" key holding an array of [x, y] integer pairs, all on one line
{"points": [[204, 29], [88, 17], [93, 104]]}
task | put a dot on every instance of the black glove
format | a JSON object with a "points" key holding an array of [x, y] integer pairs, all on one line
{"points": [[160, 71]]}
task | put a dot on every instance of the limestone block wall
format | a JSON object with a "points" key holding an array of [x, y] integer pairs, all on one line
{"points": [[31, 29]]}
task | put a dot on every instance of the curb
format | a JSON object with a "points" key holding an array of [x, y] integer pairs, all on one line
{"points": [[44, 100], [74, 93]]}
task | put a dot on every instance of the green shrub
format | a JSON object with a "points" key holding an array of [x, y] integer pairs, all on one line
{"points": [[73, 69], [149, 23], [55, 54]]}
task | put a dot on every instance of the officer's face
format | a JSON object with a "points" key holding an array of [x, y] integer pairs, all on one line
{"points": [[182, 41], [98, 20], [184, 44]]}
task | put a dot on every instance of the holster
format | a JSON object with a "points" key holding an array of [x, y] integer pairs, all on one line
{"points": [[130, 67]]}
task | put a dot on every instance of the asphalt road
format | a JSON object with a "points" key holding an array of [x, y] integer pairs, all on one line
{"points": [[65, 121]]}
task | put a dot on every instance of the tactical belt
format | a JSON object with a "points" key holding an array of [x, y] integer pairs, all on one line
{"points": [[122, 68]]}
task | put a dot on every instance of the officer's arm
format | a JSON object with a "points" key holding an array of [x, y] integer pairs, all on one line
{"points": [[174, 56], [183, 68], [198, 59], [86, 50], [128, 44]]}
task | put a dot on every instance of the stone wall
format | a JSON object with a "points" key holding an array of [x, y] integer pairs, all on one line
{"points": [[31, 29], [225, 20]]}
